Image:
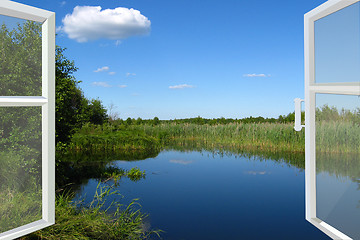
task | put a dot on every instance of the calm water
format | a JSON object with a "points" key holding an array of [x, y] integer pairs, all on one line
{"points": [[193, 195]]}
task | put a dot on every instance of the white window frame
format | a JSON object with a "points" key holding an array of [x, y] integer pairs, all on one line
{"points": [[47, 103], [311, 89]]}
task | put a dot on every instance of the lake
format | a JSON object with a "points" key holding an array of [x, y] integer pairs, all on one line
{"points": [[205, 195]]}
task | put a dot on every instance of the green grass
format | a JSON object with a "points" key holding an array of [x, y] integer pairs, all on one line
{"points": [[245, 136], [19, 208], [20, 189], [109, 138], [337, 137], [331, 136], [96, 220]]}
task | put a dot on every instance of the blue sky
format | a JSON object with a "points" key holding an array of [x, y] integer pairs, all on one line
{"points": [[180, 59]]}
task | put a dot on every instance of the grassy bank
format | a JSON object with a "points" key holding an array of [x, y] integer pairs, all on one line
{"points": [[108, 137], [244, 136], [331, 137], [94, 220]]}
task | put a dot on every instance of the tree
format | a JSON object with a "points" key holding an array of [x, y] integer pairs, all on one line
{"points": [[156, 121], [112, 113], [21, 74]]}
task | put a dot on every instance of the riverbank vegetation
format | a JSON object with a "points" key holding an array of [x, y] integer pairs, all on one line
{"points": [[74, 220], [337, 131], [85, 134], [20, 148]]}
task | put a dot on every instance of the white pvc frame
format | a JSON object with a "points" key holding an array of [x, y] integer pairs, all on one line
{"points": [[47, 103], [311, 88]]}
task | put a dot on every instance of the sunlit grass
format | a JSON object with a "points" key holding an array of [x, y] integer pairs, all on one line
{"points": [[19, 208], [97, 220]]}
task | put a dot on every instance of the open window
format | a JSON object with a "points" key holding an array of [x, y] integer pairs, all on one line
{"points": [[27, 119], [332, 118]]}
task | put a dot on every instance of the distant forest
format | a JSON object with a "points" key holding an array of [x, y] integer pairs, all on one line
{"points": [[199, 120], [324, 113]]}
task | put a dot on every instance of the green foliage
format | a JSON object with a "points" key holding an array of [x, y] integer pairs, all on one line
{"points": [[20, 189], [260, 136], [108, 137], [72, 108], [201, 121], [19, 208], [337, 131], [97, 220], [21, 74], [20, 60], [156, 121], [135, 174]]}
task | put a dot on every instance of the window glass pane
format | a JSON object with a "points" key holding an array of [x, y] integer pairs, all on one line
{"points": [[20, 166], [337, 46], [20, 57], [337, 162]]}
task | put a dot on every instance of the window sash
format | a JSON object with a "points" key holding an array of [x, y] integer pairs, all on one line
{"points": [[47, 101], [311, 88]]}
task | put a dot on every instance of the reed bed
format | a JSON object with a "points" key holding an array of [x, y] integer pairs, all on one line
{"points": [[96, 220], [110, 138], [251, 136], [337, 137]]}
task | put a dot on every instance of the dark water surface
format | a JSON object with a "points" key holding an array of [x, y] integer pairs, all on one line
{"points": [[199, 195]]}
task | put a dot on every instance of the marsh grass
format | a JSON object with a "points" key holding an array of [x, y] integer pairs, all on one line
{"points": [[244, 136], [97, 220], [111, 138], [20, 189], [337, 137], [19, 208]]}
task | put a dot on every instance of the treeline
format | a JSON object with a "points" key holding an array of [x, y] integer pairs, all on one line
{"points": [[323, 113], [213, 121]]}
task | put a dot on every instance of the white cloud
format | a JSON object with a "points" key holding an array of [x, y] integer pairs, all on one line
{"points": [[256, 75], [257, 172], [58, 30], [181, 86], [101, 84], [91, 23], [130, 74], [62, 3], [117, 42], [122, 86], [182, 162], [102, 69], [112, 73]]}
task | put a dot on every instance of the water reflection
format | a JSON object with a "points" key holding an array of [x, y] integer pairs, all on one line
{"points": [[218, 195], [182, 162], [257, 172]]}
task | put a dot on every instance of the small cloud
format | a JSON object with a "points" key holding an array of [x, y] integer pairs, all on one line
{"points": [[256, 75], [112, 73], [62, 3], [181, 86], [135, 94], [117, 42], [182, 162], [122, 86], [101, 84], [130, 74], [58, 29], [102, 69], [256, 172], [91, 23]]}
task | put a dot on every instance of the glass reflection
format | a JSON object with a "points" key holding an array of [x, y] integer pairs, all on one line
{"points": [[337, 46], [20, 166], [20, 57], [337, 161]]}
